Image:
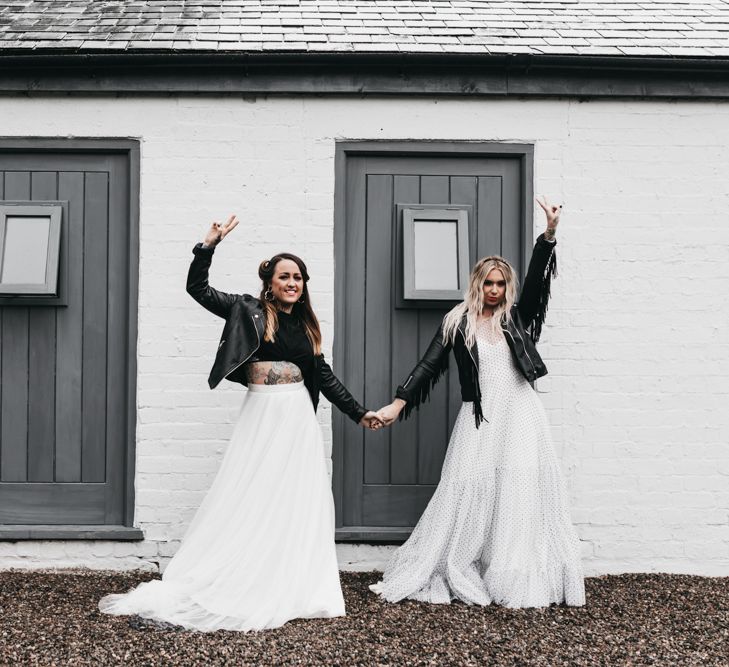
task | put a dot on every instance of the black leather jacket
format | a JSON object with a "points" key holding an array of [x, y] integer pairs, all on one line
{"points": [[522, 332], [243, 332]]}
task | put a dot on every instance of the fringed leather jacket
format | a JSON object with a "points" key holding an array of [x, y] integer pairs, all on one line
{"points": [[243, 332], [521, 331]]}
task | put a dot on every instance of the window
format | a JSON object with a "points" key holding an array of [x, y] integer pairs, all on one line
{"points": [[30, 246], [435, 252]]}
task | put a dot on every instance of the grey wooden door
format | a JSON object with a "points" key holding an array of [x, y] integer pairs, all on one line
{"points": [[383, 480], [67, 372]]}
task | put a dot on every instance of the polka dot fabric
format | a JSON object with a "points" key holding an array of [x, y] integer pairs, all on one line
{"points": [[497, 528]]}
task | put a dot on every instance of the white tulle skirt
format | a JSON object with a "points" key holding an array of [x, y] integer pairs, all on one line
{"points": [[260, 549]]}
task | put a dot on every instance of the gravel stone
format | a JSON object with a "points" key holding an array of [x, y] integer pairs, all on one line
{"points": [[51, 618]]}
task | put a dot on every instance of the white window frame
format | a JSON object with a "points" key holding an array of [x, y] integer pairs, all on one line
{"points": [[411, 214]]}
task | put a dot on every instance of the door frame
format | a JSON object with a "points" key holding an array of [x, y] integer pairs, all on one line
{"points": [[130, 148], [344, 150]]}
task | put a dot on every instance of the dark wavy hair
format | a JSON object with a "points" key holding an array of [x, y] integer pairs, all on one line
{"points": [[304, 311]]}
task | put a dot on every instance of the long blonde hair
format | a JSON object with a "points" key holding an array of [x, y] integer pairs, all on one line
{"points": [[472, 304]]}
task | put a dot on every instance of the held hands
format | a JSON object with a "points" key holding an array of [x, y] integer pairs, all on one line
{"points": [[371, 421], [552, 212], [389, 413], [218, 232], [384, 416]]}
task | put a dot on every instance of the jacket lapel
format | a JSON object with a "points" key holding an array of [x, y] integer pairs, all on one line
{"points": [[259, 320], [473, 350]]}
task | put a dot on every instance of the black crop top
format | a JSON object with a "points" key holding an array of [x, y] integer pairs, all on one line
{"points": [[291, 344]]}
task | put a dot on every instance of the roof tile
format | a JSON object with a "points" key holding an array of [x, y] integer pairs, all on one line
{"points": [[589, 27]]}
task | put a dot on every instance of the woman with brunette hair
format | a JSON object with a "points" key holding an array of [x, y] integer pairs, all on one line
{"points": [[260, 549], [497, 528]]}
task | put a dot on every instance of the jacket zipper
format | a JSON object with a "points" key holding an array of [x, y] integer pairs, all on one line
{"points": [[526, 354], [258, 338], [472, 359], [463, 335], [475, 365]]}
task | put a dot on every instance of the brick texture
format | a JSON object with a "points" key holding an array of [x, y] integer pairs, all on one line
{"points": [[635, 338]]}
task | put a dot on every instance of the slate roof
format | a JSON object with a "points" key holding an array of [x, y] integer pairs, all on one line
{"points": [[690, 28]]}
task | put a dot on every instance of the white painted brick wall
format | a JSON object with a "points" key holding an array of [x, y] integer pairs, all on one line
{"points": [[636, 341]]}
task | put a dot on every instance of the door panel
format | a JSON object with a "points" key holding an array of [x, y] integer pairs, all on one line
{"points": [[69, 339], [64, 405], [404, 457], [384, 480]]}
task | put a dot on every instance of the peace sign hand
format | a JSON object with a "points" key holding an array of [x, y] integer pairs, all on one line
{"points": [[218, 232], [553, 212]]}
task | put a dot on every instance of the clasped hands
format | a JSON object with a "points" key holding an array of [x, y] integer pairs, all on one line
{"points": [[384, 416]]}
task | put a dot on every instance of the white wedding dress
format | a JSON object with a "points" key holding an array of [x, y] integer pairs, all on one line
{"points": [[260, 549], [497, 528]]}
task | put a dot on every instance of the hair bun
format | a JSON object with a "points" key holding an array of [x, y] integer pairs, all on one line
{"points": [[263, 268]]}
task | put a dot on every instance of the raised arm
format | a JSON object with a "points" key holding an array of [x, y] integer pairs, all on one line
{"points": [[534, 297], [416, 388], [198, 288]]}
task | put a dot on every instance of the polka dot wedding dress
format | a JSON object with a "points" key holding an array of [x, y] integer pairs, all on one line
{"points": [[497, 528]]}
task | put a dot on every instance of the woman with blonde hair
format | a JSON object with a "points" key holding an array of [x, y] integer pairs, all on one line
{"points": [[260, 549], [497, 528]]}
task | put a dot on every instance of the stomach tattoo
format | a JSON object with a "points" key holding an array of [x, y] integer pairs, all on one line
{"points": [[273, 372]]}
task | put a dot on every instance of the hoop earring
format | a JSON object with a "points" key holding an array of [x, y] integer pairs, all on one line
{"points": [[301, 300], [268, 295]]}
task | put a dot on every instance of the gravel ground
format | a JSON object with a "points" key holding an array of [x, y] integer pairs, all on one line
{"points": [[51, 618]]}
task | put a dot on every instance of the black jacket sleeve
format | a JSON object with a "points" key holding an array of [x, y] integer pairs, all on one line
{"points": [[416, 388], [337, 394], [198, 288], [534, 297]]}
